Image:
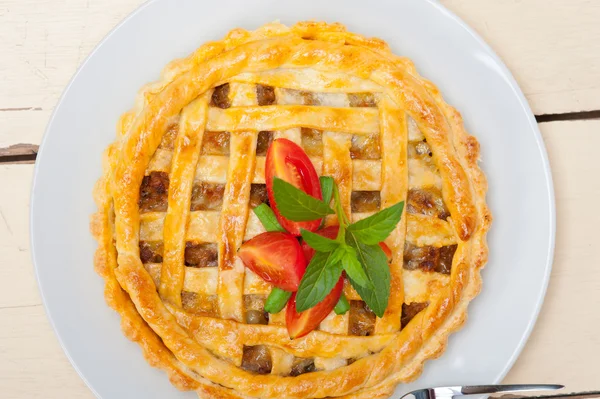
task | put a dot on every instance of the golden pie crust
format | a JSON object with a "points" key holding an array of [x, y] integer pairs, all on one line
{"points": [[174, 205]]}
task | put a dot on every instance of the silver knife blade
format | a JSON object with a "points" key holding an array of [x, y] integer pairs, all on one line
{"points": [[572, 395]]}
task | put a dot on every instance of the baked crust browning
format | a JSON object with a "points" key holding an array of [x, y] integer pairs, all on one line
{"points": [[188, 165]]}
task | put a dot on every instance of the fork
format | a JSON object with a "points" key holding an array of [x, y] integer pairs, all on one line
{"points": [[450, 392]]}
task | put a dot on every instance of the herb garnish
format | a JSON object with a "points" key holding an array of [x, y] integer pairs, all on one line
{"points": [[278, 298], [267, 218], [355, 250]]}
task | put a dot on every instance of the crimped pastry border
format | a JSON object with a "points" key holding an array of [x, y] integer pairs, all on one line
{"points": [[426, 335]]}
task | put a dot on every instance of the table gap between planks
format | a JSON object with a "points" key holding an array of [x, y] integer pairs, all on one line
{"points": [[551, 46]]}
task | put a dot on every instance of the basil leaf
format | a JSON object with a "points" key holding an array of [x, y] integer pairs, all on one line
{"points": [[342, 306], [341, 215], [327, 183], [322, 273], [337, 255], [374, 262], [354, 269], [318, 242], [377, 227], [276, 300], [268, 218], [297, 206]]}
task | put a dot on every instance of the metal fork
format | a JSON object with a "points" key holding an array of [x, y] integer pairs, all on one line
{"points": [[450, 392]]}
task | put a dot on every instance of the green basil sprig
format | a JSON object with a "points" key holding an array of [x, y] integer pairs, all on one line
{"points": [[355, 250]]}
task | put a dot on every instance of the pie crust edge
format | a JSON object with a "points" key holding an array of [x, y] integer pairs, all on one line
{"points": [[428, 333]]}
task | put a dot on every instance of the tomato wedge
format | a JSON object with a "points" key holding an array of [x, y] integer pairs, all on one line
{"points": [[300, 324], [331, 232], [289, 162], [275, 257], [386, 250]]}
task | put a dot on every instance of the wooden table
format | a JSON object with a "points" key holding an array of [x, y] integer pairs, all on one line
{"points": [[551, 46]]}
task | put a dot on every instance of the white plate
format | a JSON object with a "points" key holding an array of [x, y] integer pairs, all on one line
{"points": [[445, 50]]}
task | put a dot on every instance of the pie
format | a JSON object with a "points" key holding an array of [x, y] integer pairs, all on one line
{"points": [[188, 166]]}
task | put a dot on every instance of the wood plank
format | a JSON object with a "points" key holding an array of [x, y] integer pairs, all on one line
{"points": [[565, 341], [41, 51], [551, 46], [23, 127], [32, 364], [560, 350], [19, 153], [18, 287]]}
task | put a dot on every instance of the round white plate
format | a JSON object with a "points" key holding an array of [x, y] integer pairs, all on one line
{"points": [[445, 50]]}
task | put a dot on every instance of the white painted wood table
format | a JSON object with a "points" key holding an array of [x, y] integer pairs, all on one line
{"points": [[551, 46]]}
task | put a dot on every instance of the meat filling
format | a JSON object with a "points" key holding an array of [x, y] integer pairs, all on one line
{"points": [[366, 201], [365, 147], [302, 366], [154, 192], [257, 359], [312, 141], [207, 196], [428, 258], [201, 255], [151, 251], [258, 195], [362, 100], [427, 201], [220, 96], [362, 319], [265, 95], [410, 310], [215, 143], [265, 138]]}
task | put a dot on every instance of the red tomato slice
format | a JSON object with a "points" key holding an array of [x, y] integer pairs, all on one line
{"points": [[386, 249], [289, 162], [300, 324], [331, 232], [276, 258]]}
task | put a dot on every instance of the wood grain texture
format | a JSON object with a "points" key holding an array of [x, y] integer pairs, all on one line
{"points": [[563, 348], [32, 364], [551, 46], [43, 43], [19, 150], [17, 282], [565, 343]]}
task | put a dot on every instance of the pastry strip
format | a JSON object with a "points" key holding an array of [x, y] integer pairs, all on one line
{"points": [[213, 169], [319, 344], [338, 164], [282, 361], [394, 187], [187, 152], [309, 79], [281, 117], [234, 214]]}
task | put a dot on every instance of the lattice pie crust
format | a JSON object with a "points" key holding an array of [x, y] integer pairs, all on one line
{"points": [[179, 183]]}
